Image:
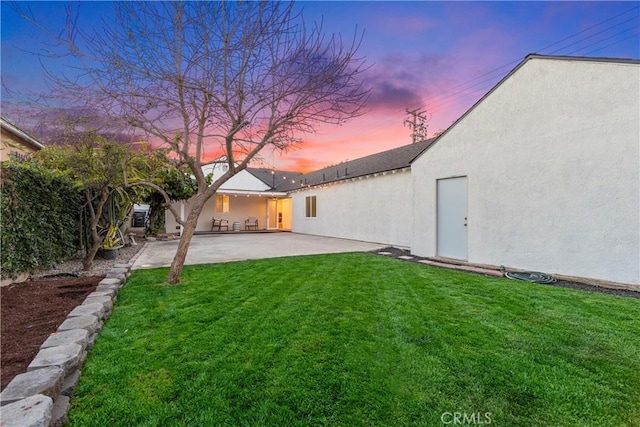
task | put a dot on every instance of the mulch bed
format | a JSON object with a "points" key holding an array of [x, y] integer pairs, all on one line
{"points": [[396, 252], [31, 311]]}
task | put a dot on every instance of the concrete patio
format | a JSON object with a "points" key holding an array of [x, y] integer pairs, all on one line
{"points": [[205, 249]]}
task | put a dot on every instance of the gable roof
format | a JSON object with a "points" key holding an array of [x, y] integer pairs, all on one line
{"points": [[394, 159], [275, 179], [25, 137], [517, 67]]}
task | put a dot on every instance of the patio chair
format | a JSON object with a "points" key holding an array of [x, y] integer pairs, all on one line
{"points": [[218, 224], [251, 223]]}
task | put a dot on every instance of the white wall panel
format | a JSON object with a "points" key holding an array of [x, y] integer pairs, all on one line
{"points": [[552, 158], [375, 209]]}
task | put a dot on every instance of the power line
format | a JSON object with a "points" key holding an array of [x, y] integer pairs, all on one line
{"points": [[465, 86], [593, 35], [614, 43], [601, 40], [461, 90], [587, 29]]}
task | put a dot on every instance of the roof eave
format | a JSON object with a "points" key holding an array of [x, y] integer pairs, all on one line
{"points": [[22, 134]]}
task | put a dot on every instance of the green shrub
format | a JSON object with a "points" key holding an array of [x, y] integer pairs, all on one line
{"points": [[40, 210]]}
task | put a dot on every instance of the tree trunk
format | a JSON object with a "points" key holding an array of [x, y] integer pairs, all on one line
{"points": [[95, 218], [187, 233], [88, 261]]}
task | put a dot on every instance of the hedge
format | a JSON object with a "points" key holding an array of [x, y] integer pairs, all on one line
{"points": [[40, 211]]}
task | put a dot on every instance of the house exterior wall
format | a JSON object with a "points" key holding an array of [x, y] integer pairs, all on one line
{"points": [[240, 209], [241, 206], [375, 209], [552, 163], [12, 143]]}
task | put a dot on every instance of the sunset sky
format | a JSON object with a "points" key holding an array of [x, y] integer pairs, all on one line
{"points": [[437, 56]]}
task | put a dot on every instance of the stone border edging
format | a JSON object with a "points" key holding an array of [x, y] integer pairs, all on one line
{"points": [[40, 396]]}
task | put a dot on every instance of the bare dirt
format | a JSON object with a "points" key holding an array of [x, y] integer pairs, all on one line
{"points": [[33, 310], [30, 311]]}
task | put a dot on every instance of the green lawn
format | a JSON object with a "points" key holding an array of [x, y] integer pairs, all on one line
{"points": [[359, 340]]}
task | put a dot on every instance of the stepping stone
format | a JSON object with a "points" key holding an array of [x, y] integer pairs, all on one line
{"points": [[66, 357], [47, 381], [385, 253], [405, 257], [71, 336], [30, 412]]}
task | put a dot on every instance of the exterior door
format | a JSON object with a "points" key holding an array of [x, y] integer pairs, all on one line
{"points": [[272, 214], [452, 218], [284, 214]]}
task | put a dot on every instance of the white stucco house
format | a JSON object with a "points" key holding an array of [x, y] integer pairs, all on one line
{"points": [[365, 199], [253, 192], [542, 173]]}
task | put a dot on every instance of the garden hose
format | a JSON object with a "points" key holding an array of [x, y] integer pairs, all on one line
{"points": [[530, 276]]}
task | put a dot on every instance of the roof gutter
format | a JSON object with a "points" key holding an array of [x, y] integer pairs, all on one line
{"points": [[230, 192], [20, 133]]}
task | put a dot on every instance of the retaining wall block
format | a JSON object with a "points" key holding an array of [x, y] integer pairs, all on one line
{"points": [[69, 384], [51, 378], [93, 309], [71, 336], [108, 288], [110, 281], [59, 411], [111, 293], [120, 276], [34, 411], [86, 321], [118, 270], [106, 301], [66, 357], [46, 381]]}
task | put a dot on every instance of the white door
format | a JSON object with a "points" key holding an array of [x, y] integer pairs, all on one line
{"points": [[452, 217]]}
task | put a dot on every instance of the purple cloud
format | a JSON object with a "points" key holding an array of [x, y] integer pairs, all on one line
{"points": [[402, 80]]}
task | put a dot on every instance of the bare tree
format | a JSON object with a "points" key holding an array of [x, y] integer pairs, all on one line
{"points": [[232, 78]]}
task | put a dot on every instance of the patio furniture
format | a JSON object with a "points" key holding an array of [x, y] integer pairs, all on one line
{"points": [[251, 223], [218, 224]]}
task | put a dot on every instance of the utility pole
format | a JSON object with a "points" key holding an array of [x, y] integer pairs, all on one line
{"points": [[417, 123]]}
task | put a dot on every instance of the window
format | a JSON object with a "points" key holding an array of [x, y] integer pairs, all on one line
{"points": [[310, 204], [222, 203]]}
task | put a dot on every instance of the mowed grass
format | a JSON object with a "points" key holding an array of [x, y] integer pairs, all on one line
{"points": [[359, 340]]}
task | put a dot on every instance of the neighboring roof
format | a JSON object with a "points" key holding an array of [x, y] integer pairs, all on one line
{"points": [[13, 129], [517, 67], [394, 159], [275, 179]]}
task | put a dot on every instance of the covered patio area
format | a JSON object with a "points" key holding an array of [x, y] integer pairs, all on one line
{"points": [[236, 211]]}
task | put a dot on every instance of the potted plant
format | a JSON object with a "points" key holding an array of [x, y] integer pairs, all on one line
{"points": [[112, 242]]}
